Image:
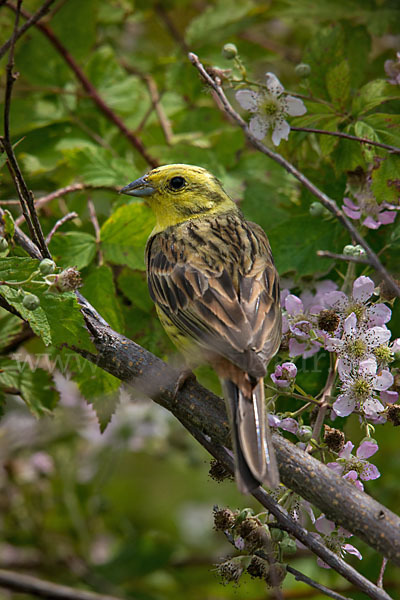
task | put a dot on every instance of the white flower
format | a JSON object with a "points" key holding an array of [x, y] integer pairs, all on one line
{"points": [[357, 343], [270, 107], [359, 388]]}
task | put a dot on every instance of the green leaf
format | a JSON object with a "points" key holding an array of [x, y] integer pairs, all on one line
{"points": [[133, 284], [295, 243], [9, 225], [372, 94], [386, 180], [35, 385], [385, 126], [17, 268], [325, 51], [124, 235], [75, 25], [216, 18], [98, 166], [338, 83], [73, 249], [37, 318], [65, 319], [100, 291], [100, 389], [10, 327], [364, 130]]}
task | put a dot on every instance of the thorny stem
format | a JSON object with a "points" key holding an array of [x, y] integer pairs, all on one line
{"points": [[329, 203]]}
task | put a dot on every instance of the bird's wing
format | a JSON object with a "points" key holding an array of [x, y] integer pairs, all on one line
{"points": [[219, 287]]}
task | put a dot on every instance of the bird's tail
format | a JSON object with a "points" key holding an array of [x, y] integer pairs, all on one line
{"points": [[251, 438]]}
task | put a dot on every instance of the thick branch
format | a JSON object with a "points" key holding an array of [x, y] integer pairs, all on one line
{"points": [[41, 12], [91, 90], [329, 203]]}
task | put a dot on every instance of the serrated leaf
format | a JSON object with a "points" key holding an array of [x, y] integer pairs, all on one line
{"points": [[34, 386], [338, 83], [373, 94], [134, 286], [65, 319], [100, 291], [9, 225], [100, 389], [325, 51], [386, 180], [215, 18], [98, 166], [124, 234], [75, 25], [73, 248], [385, 126], [17, 268], [37, 318], [10, 327], [290, 251], [364, 130]]}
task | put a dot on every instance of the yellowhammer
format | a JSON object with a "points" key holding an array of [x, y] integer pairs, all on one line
{"points": [[212, 277]]}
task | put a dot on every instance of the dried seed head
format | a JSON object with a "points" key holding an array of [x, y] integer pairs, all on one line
{"points": [[333, 438], [328, 320], [224, 518], [393, 414]]}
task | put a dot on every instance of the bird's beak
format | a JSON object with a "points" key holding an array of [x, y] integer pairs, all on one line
{"points": [[139, 187]]}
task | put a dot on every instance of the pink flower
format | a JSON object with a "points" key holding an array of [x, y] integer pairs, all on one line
{"points": [[335, 539], [284, 374], [351, 467]]}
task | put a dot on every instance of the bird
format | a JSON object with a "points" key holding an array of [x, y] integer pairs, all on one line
{"points": [[212, 277]]}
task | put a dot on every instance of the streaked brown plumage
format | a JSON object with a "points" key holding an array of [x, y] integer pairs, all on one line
{"points": [[212, 278]]}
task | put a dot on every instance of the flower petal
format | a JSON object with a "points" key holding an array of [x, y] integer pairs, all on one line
{"points": [[346, 450], [273, 84], [370, 471], [386, 217], [293, 304], [336, 467], [371, 223], [281, 131], [296, 348], [350, 324], [344, 405], [367, 449], [352, 550], [368, 367], [338, 299], [258, 127], [372, 407], [379, 314], [350, 204], [389, 396], [383, 380], [352, 214], [248, 100], [324, 525], [363, 288], [295, 106]]}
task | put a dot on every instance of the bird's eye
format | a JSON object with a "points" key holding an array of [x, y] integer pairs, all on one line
{"points": [[177, 183]]}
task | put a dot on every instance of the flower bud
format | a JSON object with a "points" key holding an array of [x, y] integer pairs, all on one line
{"points": [[67, 281], [229, 51], [351, 250], [317, 209], [288, 545], [224, 519], [302, 70], [277, 535], [304, 433], [47, 266], [3, 244], [30, 301]]}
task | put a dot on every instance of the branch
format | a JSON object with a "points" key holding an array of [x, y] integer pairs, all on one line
{"points": [[91, 90], [330, 204], [355, 259], [31, 21], [26, 584], [25, 195], [60, 222], [318, 586], [74, 187], [204, 415], [348, 136]]}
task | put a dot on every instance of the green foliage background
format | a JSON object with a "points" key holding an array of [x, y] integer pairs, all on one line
{"points": [[130, 512]]}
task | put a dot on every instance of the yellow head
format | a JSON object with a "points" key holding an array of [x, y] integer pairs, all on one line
{"points": [[177, 193]]}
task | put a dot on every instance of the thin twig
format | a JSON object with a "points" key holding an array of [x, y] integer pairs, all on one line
{"points": [[362, 260], [347, 136], [91, 90], [155, 101], [26, 584], [74, 187], [379, 583], [25, 195], [329, 203], [318, 586], [60, 222], [31, 21]]}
